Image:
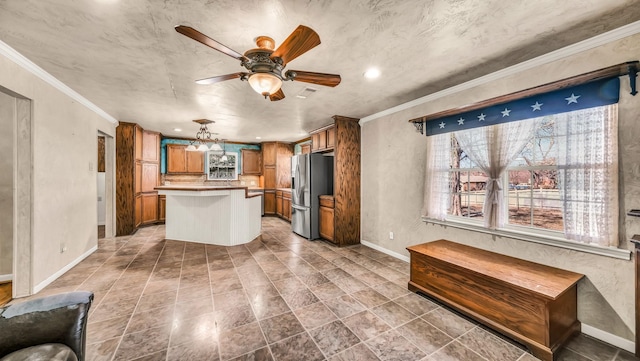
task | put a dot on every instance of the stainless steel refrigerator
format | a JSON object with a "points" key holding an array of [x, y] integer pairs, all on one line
{"points": [[311, 176]]}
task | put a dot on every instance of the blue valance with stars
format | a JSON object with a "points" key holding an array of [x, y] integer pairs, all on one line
{"points": [[583, 96]]}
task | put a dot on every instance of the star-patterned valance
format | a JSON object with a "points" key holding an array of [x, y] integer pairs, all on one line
{"points": [[588, 95], [592, 89]]}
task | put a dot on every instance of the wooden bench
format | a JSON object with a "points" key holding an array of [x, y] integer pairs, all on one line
{"points": [[529, 302]]}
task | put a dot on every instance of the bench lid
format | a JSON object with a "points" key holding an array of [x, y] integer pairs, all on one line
{"points": [[548, 281]]}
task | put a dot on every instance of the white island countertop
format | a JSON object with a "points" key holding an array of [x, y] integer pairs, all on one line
{"points": [[220, 215]]}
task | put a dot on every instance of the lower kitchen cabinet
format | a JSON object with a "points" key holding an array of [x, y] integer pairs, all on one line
{"points": [[325, 217], [162, 208], [149, 207], [269, 202], [283, 204], [286, 206]]}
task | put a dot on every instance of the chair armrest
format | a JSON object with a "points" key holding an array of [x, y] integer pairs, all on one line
{"points": [[60, 318]]}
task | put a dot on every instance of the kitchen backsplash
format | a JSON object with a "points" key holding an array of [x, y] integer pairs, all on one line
{"points": [[183, 179]]}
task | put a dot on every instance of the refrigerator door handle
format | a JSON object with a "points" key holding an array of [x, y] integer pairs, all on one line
{"points": [[298, 207], [298, 180]]}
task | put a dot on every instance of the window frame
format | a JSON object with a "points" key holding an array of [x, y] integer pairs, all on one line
{"points": [[526, 233]]}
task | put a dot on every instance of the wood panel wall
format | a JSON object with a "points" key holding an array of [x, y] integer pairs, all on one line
{"points": [[346, 183], [101, 154], [125, 173]]}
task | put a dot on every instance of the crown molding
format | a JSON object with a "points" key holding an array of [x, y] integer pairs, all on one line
{"points": [[594, 42], [34, 69]]}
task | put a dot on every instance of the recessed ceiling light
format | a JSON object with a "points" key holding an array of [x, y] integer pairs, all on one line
{"points": [[258, 137], [177, 129], [372, 73]]}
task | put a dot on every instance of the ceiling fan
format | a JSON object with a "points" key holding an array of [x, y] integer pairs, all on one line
{"points": [[264, 64]]}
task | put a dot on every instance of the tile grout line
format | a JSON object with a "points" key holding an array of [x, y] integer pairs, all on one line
{"points": [[124, 332]]}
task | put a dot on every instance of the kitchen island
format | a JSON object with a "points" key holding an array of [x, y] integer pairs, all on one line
{"points": [[220, 215]]}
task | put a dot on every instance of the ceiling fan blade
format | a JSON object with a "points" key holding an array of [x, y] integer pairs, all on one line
{"points": [[200, 37], [315, 78], [279, 95], [219, 78], [299, 42]]}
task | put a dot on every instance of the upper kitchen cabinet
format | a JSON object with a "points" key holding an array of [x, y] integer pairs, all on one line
{"points": [[181, 161], [323, 139], [251, 162], [138, 173]]}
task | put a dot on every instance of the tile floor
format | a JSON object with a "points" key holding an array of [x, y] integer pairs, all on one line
{"points": [[279, 297]]}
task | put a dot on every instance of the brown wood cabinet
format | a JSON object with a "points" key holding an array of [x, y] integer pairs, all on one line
{"points": [[305, 148], [283, 204], [137, 175], [323, 139], [251, 162], [181, 161], [276, 171], [286, 206], [270, 201], [325, 216], [342, 137], [162, 208]]}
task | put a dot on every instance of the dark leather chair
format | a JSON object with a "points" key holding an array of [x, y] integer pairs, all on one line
{"points": [[48, 328]]}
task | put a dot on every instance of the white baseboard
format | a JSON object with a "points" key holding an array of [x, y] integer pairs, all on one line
{"points": [[385, 251], [609, 338], [596, 333], [63, 270], [4, 278]]}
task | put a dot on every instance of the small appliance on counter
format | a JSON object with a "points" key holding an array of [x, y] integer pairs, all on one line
{"points": [[311, 176]]}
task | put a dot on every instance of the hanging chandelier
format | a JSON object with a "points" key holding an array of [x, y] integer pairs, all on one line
{"points": [[203, 136]]}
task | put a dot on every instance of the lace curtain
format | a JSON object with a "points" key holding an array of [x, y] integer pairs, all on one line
{"points": [[436, 186], [588, 174], [492, 148]]}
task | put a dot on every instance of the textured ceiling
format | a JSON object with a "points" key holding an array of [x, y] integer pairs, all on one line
{"points": [[126, 57]]}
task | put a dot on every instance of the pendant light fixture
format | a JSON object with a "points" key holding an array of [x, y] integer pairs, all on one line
{"points": [[202, 137]]}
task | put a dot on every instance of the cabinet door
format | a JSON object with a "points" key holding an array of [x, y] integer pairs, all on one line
{"points": [[251, 162], [150, 146], [305, 148], [176, 158], [269, 154], [195, 162], [138, 210], [331, 138], [149, 207], [162, 208], [279, 205], [286, 208], [149, 177], [325, 220], [137, 187], [315, 142], [269, 202], [322, 140], [269, 177], [138, 143]]}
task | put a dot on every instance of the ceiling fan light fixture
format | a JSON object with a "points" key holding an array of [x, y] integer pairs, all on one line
{"points": [[265, 83]]}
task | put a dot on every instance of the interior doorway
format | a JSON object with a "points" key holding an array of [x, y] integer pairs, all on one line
{"points": [[15, 194], [101, 179]]}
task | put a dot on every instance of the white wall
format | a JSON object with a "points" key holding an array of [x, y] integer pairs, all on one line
{"points": [[393, 164], [7, 118], [64, 172]]}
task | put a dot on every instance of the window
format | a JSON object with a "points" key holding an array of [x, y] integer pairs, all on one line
{"points": [[552, 175]]}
